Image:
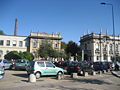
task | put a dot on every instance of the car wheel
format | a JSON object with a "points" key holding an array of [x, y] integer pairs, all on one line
{"points": [[38, 75]]}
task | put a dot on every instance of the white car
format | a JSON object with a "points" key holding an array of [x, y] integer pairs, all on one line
{"points": [[2, 72], [5, 64]]}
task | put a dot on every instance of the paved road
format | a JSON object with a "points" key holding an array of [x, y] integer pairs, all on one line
{"points": [[18, 80]]}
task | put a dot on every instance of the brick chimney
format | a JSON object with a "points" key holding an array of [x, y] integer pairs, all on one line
{"points": [[16, 27]]}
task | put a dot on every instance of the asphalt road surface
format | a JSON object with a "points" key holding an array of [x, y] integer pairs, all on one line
{"points": [[18, 80]]}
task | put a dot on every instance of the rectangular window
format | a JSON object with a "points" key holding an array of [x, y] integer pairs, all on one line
{"points": [[14, 43], [20, 43], [1, 42], [8, 43], [34, 43], [97, 57]]}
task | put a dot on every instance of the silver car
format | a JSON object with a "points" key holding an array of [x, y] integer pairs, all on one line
{"points": [[2, 72], [6, 64]]}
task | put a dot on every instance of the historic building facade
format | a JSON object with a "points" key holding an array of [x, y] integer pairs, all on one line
{"points": [[29, 43], [38, 39], [12, 43], [100, 47]]}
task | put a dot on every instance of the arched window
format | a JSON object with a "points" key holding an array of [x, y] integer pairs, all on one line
{"points": [[111, 47], [97, 46]]}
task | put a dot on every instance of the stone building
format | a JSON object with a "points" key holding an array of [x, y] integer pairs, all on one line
{"points": [[29, 43], [37, 39], [100, 47], [12, 43]]}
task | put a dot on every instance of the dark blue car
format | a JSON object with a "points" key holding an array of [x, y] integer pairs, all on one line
{"points": [[100, 66]]}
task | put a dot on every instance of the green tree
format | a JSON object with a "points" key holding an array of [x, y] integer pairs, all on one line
{"points": [[72, 49], [63, 45], [12, 55], [1, 32], [46, 51], [118, 58], [26, 55]]}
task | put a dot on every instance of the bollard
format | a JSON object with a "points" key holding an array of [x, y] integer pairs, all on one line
{"points": [[74, 75], [100, 72], [85, 74], [104, 71], [108, 70], [60, 76], [32, 78], [93, 73]]}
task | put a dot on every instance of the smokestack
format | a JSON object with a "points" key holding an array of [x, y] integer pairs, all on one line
{"points": [[16, 27]]}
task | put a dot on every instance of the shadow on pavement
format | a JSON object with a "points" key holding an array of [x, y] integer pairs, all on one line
{"points": [[21, 75], [91, 81]]}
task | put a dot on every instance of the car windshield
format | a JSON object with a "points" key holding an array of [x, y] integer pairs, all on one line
{"points": [[20, 61]]}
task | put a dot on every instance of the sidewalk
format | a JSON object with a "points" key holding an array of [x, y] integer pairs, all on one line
{"points": [[116, 73]]}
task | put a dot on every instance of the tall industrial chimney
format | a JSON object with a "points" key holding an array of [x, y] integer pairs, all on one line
{"points": [[16, 27]]}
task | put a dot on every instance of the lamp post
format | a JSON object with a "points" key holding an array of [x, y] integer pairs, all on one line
{"points": [[103, 3]]}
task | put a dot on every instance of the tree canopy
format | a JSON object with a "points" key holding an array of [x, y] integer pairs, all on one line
{"points": [[15, 55], [1, 32]]}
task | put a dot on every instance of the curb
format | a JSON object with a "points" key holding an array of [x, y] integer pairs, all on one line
{"points": [[115, 73]]}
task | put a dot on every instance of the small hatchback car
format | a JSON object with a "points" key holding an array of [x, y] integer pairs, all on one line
{"points": [[43, 68]]}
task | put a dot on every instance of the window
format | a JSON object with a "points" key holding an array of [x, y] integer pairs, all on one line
{"points": [[49, 64], [85, 46], [1, 42], [116, 47], [14, 43], [56, 45], [97, 46], [111, 47], [34, 43], [20, 43], [97, 57], [8, 43], [41, 64], [7, 51], [1, 53]]}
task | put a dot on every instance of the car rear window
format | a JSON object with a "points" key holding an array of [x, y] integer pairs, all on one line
{"points": [[32, 63], [41, 64]]}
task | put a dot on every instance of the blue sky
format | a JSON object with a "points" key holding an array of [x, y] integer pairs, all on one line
{"points": [[72, 18]]}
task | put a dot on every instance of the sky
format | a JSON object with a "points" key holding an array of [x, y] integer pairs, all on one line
{"points": [[71, 18]]}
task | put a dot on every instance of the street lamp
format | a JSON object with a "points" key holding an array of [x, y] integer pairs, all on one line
{"points": [[103, 3]]}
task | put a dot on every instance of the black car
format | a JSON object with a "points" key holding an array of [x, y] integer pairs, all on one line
{"points": [[79, 67], [73, 67], [99, 66]]}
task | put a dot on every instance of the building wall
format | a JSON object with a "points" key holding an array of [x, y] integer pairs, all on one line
{"points": [[12, 43], [100, 47], [37, 39]]}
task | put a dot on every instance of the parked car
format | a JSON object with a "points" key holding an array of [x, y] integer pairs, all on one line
{"points": [[99, 66], [42, 68], [6, 64], [79, 67], [85, 67], [21, 64], [2, 72], [73, 67]]}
